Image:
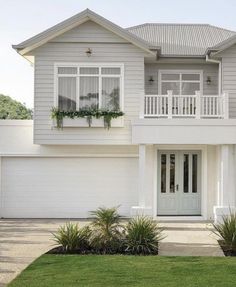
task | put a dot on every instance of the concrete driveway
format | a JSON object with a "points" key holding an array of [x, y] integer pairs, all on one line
{"points": [[22, 241]]}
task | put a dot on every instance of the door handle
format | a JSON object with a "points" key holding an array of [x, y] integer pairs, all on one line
{"points": [[177, 187]]}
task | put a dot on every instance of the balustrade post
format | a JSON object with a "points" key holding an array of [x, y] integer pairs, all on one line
{"points": [[198, 104], [225, 105], [170, 96]]}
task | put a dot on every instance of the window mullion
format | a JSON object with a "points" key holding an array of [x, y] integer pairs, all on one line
{"points": [[77, 92], [100, 88]]}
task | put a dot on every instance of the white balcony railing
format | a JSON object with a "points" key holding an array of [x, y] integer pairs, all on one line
{"points": [[186, 106]]}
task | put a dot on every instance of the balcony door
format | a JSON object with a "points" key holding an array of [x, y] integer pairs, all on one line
{"points": [[178, 183]]}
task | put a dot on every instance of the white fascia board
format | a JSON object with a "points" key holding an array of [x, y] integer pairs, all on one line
{"points": [[73, 22]]}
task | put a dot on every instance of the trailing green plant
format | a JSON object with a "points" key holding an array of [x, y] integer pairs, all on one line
{"points": [[142, 236], [107, 115], [107, 231], [226, 230], [72, 238]]}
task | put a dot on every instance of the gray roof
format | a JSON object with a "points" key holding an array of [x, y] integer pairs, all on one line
{"points": [[182, 39]]}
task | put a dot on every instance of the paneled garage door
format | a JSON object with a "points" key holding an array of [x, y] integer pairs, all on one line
{"points": [[67, 187]]}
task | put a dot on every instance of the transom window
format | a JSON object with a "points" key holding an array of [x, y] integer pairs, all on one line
{"points": [[181, 83], [83, 86]]}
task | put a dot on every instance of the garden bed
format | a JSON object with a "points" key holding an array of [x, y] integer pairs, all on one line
{"points": [[226, 250]]}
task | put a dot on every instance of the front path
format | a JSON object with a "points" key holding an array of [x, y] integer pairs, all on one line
{"points": [[22, 241], [189, 239]]}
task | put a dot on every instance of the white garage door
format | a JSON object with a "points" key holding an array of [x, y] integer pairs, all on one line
{"points": [[67, 187]]}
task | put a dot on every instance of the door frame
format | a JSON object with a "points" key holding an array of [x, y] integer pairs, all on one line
{"points": [[178, 195], [203, 150]]}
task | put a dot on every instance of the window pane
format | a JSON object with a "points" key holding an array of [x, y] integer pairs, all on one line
{"points": [[170, 77], [89, 71], [111, 71], [190, 88], [186, 173], [172, 173], [67, 93], [67, 70], [168, 86], [163, 173], [89, 92], [191, 77], [111, 93], [194, 173]]}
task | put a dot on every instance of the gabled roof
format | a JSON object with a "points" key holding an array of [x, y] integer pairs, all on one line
{"points": [[182, 39], [75, 21], [167, 40]]}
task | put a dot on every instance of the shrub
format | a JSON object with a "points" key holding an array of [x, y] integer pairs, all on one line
{"points": [[142, 236], [107, 230], [72, 238], [227, 231]]}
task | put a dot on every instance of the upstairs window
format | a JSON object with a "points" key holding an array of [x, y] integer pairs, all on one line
{"points": [[89, 87], [181, 83]]}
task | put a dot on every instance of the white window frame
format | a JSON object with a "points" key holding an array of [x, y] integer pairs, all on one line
{"points": [[197, 72], [100, 76]]}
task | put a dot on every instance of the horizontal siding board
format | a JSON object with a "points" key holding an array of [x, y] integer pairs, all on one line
{"points": [[88, 32], [208, 70], [229, 77], [133, 60]]}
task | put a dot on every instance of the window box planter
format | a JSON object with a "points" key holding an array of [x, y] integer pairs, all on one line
{"points": [[96, 123]]}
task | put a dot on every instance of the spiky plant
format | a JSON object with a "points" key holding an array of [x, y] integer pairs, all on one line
{"points": [[226, 230], [106, 230], [72, 238], [142, 236]]}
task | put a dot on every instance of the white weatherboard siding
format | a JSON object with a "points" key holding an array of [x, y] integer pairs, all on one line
{"points": [[73, 51], [209, 70], [89, 32], [229, 77], [67, 187]]}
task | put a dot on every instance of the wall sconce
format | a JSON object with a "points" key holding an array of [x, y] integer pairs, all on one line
{"points": [[151, 80], [89, 52], [208, 80]]}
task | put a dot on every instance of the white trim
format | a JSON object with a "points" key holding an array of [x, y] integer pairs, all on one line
{"points": [[184, 71], [16, 123], [203, 161], [88, 155], [75, 21], [179, 218], [99, 75]]}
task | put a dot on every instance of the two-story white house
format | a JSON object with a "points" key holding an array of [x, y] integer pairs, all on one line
{"points": [[171, 155]]}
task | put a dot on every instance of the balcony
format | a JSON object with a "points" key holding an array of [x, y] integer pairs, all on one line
{"points": [[186, 119], [196, 106]]}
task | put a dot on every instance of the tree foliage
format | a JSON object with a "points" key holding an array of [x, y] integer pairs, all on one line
{"points": [[11, 109]]}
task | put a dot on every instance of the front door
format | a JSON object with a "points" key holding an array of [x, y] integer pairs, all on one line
{"points": [[179, 183]]}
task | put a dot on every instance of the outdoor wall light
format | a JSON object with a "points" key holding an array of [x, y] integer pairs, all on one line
{"points": [[151, 80], [89, 52], [208, 80]]}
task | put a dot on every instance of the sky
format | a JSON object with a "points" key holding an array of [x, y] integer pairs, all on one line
{"points": [[22, 19]]}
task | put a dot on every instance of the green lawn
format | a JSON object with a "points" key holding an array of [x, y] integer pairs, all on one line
{"points": [[118, 270]]}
